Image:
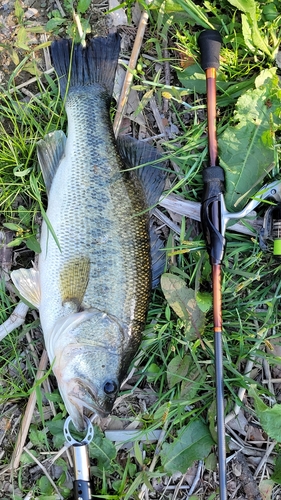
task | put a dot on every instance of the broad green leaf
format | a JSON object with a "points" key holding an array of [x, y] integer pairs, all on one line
{"points": [[37, 437], [270, 418], [177, 369], [102, 449], [247, 6], [204, 301], [22, 38], [194, 442], [211, 462], [33, 244], [276, 476], [24, 215], [247, 33], [83, 5], [26, 458], [192, 383], [19, 12], [11, 226], [45, 485], [188, 7], [54, 23], [247, 148], [48, 497], [138, 453], [152, 372], [250, 29], [193, 78], [15, 243], [253, 37], [183, 302]]}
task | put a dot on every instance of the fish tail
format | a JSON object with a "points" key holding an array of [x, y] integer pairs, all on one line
{"points": [[78, 66]]}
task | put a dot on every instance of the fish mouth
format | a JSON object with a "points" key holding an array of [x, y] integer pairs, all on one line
{"points": [[83, 396]]}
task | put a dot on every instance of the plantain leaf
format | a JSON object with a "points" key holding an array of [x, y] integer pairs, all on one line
{"points": [[183, 302], [177, 369], [194, 442], [247, 148]]}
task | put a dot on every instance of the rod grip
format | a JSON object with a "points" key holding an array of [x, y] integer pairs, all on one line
{"points": [[210, 42]]}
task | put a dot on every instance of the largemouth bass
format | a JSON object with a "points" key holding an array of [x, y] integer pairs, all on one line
{"points": [[94, 273]]}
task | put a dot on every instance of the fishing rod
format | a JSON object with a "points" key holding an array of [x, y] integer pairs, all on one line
{"points": [[214, 219], [213, 177]]}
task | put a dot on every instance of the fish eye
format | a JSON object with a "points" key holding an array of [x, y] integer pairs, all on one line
{"points": [[110, 387]]}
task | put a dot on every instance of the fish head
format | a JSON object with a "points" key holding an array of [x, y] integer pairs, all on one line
{"points": [[88, 365]]}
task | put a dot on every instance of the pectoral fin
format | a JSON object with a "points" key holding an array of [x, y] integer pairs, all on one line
{"points": [[74, 279], [27, 283], [50, 151]]}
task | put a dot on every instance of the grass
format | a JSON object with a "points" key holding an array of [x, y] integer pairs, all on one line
{"points": [[172, 388]]}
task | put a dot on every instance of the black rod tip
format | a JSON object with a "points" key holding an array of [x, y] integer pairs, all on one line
{"points": [[210, 42]]}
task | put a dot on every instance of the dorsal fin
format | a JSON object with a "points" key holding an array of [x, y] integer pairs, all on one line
{"points": [[153, 174]]}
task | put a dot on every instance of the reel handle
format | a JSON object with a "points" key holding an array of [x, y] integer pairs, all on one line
{"points": [[210, 42]]}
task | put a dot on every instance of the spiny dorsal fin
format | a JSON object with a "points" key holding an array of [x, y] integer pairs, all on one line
{"points": [[50, 151], [153, 175]]}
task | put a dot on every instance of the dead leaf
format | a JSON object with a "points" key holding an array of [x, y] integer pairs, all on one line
{"points": [[182, 301]]}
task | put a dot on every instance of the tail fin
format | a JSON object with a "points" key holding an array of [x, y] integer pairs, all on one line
{"points": [[96, 63]]}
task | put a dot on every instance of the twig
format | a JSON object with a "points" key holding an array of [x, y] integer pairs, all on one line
{"points": [[16, 319], [29, 495], [265, 457], [77, 21], [30, 81], [241, 394], [28, 415], [157, 116], [195, 481], [59, 6], [44, 471], [166, 220], [269, 380], [46, 52], [121, 108]]}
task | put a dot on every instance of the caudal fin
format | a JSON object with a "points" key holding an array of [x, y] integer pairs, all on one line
{"points": [[95, 63]]}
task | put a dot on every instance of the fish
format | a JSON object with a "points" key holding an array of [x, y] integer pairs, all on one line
{"points": [[99, 255]]}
